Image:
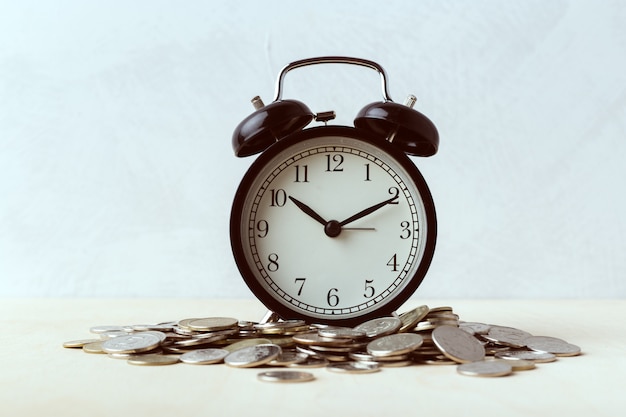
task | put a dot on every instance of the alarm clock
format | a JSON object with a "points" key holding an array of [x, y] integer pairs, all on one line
{"points": [[333, 224]]}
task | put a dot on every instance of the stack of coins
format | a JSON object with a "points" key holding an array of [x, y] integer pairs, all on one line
{"points": [[421, 336]]}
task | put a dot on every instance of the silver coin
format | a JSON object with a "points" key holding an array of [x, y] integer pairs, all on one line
{"points": [[439, 360], [311, 362], [395, 344], [474, 327], [493, 349], [410, 318], [102, 329], [517, 365], [436, 323], [335, 349], [288, 327], [162, 336], [424, 327], [152, 360], [485, 368], [440, 309], [133, 343], [253, 356], [341, 333], [395, 364], [204, 356], [199, 341], [286, 376], [444, 315], [287, 358], [112, 333], [361, 356], [162, 327], [552, 345], [353, 367], [246, 343], [79, 343], [124, 356], [331, 357], [184, 323], [457, 344], [366, 357], [313, 338], [529, 355], [508, 336], [287, 324], [380, 326], [212, 323]]}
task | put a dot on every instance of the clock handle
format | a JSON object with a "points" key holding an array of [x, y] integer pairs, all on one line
{"points": [[332, 60], [400, 124]]}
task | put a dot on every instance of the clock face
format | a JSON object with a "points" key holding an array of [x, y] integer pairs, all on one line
{"points": [[330, 226]]}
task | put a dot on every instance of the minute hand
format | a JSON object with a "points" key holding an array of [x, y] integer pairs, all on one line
{"points": [[367, 211]]}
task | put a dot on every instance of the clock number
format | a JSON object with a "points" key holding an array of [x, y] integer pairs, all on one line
{"points": [[367, 172], [301, 282], [332, 298], [395, 192], [406, 232], [369, 290], [302, 171], [272, 266], [393, 262], [263, 227], [278, 197], [335, 166]]}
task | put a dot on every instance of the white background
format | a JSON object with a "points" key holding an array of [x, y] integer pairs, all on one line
{"points": [[117, 172]]}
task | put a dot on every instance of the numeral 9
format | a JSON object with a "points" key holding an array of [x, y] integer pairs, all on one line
{"points": [[263, 228]]}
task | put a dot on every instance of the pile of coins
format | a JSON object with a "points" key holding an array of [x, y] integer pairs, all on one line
{"points": [[430, 336]]}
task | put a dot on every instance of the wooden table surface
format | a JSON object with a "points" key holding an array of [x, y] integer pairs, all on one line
{"points": [[39, 377]]}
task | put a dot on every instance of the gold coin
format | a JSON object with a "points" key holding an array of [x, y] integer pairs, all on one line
{"points": [[152, 360], [95, 347]]}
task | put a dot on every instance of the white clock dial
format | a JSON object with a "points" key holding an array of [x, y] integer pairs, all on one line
{"points": [[333, 228]]}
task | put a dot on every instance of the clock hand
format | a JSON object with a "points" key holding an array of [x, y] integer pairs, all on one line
{"points": [[308, 210], [367, 211]]}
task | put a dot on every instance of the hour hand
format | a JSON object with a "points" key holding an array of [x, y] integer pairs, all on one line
{"points": [[308, 210]]}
